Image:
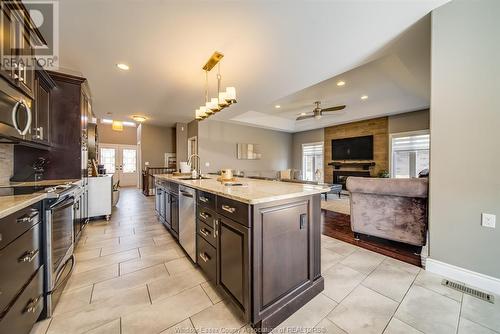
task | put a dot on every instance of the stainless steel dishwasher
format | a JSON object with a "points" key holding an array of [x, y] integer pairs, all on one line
{"points": [[187, 220]]}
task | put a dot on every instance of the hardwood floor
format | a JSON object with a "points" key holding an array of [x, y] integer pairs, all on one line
{"points": [[338, 226]]}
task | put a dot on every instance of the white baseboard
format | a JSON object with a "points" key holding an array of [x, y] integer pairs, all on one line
{"points": [[477, 280]]}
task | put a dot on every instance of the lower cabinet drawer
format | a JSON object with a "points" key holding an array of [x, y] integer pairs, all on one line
{"points": [[207, 233], [19, 260], [25, 311], [17, 223], [207, 258]]}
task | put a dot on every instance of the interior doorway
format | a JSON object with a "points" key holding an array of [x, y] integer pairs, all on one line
{"points": [[121, 161]]}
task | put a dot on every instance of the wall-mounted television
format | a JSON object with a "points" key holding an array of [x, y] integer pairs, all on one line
{"points": [[356, 148]]}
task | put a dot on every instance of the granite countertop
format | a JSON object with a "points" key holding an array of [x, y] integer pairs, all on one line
{"points": [[41, 183], [253, 191], [11, 204]]}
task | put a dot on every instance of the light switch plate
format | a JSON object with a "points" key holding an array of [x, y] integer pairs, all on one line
{"points": [[488, 220]]}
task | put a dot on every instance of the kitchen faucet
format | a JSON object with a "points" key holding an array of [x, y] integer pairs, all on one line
{"points": [[198, 170]]}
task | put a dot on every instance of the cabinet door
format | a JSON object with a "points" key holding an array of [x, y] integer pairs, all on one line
{"points": [[41, 124], [167, 197], [233, 260], [157, 200], [162, 204], [5, 43], [26, 74], [174, 213]]}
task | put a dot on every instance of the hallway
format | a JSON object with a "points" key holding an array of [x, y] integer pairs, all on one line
{"points": [[127, 281]]}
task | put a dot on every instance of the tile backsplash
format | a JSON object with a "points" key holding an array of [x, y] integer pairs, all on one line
{"points": [[6, 162]]}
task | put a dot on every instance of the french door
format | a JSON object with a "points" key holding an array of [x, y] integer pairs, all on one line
{"points": [[120, 160]]}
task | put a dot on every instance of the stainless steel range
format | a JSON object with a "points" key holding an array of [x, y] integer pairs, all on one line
{"points": [[59, 238]]}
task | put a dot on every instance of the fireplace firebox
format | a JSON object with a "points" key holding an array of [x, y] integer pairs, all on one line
{"points": [[340, 176]]}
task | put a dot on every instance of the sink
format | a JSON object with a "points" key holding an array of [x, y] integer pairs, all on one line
{"points": [[193, 178]]}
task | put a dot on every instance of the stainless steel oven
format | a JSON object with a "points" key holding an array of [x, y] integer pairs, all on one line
{"points": [[59, 236]]}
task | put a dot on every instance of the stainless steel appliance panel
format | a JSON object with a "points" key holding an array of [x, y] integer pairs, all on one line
{"points": [[187, 220]]}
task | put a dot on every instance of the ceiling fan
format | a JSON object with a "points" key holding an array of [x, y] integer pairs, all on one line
{"points": [[318, 111]]}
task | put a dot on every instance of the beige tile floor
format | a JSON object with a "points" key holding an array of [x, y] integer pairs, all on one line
{"points": [[132, 277]]}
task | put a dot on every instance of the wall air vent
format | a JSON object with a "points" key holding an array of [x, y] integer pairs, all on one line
{"points": [[470, 291]]}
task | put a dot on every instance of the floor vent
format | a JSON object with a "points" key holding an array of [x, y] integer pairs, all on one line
{"points": [[470, 291]]}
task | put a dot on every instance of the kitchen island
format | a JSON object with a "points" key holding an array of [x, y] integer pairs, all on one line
{"points": [[257, 241]]}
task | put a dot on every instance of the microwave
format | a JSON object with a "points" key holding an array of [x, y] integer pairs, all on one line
{"points": [[16, 115]]}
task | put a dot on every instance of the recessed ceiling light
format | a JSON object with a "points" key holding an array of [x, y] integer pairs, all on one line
{"points": [[340, 83], [139, 118], [364, 97], [123, 66], [277, 106]]}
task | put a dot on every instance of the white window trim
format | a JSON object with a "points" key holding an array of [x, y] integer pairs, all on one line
{"points": [[402, 134], [302, 159]]}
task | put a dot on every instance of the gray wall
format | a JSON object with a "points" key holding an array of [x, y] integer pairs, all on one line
{"points": [[181, 135], [126, 137], [217, 145], [465, 153], [304, 137], [6, 162], [411, 121], [155, 142]]}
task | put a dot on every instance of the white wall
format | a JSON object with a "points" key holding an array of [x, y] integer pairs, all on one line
{"points": [[465, 135], [217, 145]]}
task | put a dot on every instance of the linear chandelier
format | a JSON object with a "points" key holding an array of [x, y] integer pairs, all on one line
{"points": [[223, 100]]}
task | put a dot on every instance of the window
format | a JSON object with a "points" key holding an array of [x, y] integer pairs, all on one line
{"points": [[108, 159], [410, 154], [129, 161], [312, 162]]}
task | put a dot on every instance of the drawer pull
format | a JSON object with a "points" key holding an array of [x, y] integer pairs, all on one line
{"points": [[204, 232], [205, 215], [216, 229], [228, 208], [27, 218], [203, 199], [32, 305], [204, 257], [29, 256]]}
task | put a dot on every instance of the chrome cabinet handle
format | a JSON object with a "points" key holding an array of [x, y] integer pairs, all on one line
{"points": [[204, 257], [205, 215], [203, 199], [204, 232], [32, 305], [185, 193], [228, 208], [28, 218], [216, 228], [29, 256]]}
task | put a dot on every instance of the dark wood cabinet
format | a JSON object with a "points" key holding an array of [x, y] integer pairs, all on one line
{"points": [[40, 129], [18, 54], [21, 282], [233, 249], [174, 213], [265, 258]]}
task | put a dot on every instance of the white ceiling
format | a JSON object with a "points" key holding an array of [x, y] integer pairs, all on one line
{"points": [[275, 52]]}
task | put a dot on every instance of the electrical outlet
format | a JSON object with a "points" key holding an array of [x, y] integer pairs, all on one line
{"points": [[488, 220], [207, 164]]}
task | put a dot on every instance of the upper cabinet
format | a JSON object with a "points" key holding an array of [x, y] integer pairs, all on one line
{"points": [[41, 124], [16, 48]]}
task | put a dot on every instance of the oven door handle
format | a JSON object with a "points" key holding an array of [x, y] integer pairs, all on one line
{"points": [[64, 204], [65, 279]]}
